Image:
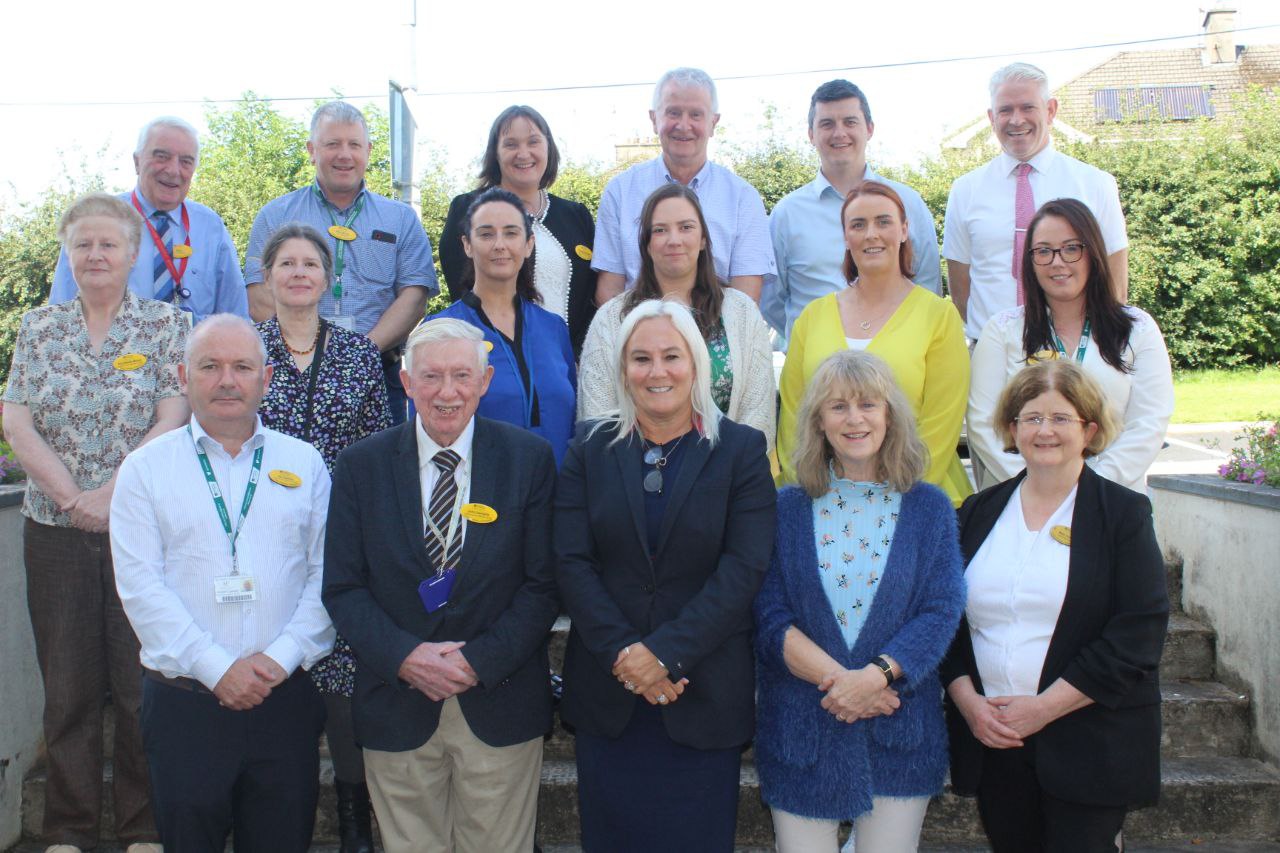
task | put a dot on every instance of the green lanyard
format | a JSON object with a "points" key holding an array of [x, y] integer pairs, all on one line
{"points": [[223, 515], [340, 251], [1080, 350]]}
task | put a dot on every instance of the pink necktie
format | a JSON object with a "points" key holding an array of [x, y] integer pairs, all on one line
{"points": [[1024, 207]]}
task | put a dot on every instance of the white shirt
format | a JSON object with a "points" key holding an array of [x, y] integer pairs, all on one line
{"points": [[1142, 399], [168, 546], [1017, 582], [428, 473], [979, 222]]}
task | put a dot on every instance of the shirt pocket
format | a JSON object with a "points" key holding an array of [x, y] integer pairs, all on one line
{"points": [[377, 261]]}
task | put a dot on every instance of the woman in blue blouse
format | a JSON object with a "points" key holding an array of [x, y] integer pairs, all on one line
{"points": [[860, 601], [534, 374]]}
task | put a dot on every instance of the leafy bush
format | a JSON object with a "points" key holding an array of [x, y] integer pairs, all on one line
{"points": [[1258, 462]]}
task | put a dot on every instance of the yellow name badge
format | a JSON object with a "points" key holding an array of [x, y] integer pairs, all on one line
{"points": [[1061, 534], [129, 361], [1043, 355], [479, 513], [182, 250], [488, 346], [582, 252], [342, 232], [288, 479]]}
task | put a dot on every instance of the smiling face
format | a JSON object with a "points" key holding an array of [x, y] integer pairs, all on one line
{"points": [[1063, 283], [446, 383], [1048, 446], [659, 372], [100, 255], [684, 123], [874, 231], [165, 166], [675, 239], [840, 133], [340, 153], [1021, 118], [498, 243], [297, 278], [855, 428], [225, 379], [522, 155]]}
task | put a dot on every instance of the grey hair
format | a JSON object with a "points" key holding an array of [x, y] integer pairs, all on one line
{"points": [[167, 121], [704, 406], [1023, 72], [102, 204], [687, 77], [213, 323], [443, 329], [340, 112]]}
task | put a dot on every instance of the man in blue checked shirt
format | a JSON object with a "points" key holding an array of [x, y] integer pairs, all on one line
{"points": [[187, 256], [382, 268]]}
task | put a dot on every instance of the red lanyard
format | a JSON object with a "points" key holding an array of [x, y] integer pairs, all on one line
{"points": [[176, 272]]}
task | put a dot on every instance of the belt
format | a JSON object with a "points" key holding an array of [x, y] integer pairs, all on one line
{"points": [[188, 684]]}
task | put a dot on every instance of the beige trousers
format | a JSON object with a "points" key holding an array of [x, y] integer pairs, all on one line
{"points": [[455, 793], [892, 826]]}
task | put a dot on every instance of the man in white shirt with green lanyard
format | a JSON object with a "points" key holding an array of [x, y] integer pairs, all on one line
{"points": [[217, 530]]}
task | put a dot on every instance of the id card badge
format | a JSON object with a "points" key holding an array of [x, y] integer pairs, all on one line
{"points": [[343, 321], [434, 591], [234, 589]]}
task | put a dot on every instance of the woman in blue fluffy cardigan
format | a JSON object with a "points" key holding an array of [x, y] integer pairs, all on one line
{"points": [[863, 595]]}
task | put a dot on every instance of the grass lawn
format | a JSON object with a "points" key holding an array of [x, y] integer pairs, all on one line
{"points": [[1213, 396]]}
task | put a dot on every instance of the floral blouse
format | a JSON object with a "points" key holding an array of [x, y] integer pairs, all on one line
{"points": [[853, 527], [721, 367], [351, 395], [93, 409]]}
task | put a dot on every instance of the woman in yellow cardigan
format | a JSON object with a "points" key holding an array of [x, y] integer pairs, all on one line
{"points": [[920, 335]]}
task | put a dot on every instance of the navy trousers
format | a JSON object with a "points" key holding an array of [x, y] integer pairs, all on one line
{"points": [[216, 772]]}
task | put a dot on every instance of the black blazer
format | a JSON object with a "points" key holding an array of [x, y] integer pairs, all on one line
{"points": [[690, 604], [570, 223], [502, 605], [1107, 644]]}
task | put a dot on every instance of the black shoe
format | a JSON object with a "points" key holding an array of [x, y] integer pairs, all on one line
{"points": [[354, 830]]}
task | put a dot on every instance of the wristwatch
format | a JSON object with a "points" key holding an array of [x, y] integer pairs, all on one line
{"points": [[884, 667]]}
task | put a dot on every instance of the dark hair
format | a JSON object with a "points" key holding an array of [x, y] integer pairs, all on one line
{"points": [[906, 258], [708, 293], [491, 172], [1110, 324], [837, 90], [297, 231], [525, 288]]}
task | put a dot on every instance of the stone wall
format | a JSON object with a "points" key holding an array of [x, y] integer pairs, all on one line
{"points": [[21, 693], [1228, 537]]}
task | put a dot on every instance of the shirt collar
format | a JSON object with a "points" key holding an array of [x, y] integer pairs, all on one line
{"points": [[149, 209], [208, 442], [427, 447], [1039, 163], [820, 184], [324, 199], [698, 180]]}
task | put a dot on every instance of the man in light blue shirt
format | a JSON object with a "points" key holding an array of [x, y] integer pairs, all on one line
{"points": [[186, 256], [684, 115], [383, 273], [808, 238]]}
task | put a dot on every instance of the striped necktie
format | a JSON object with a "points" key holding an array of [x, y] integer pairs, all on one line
{"points": [[443, 496], [160, 271]]}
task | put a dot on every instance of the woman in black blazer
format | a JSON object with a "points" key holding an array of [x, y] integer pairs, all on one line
{"points": [[1053, 683], [521, 156], [663, 530]]}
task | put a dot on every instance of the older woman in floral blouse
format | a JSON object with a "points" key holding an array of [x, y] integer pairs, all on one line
{"points": [[91, 380]]}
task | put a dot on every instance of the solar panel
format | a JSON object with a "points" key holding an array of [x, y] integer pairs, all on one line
{"points": [[1162, 103]]}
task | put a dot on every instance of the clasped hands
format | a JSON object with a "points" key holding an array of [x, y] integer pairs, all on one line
{"points": [[639, 671], [248, 682], [90, 510], [1002, 722], [858, 694], [438, 670]]}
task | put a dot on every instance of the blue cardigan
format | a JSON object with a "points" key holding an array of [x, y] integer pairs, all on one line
{"points": [[552, 369], [809, 763]]}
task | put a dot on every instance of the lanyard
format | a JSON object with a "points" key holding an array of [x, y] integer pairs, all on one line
{"points": [[340, 251], [179, 271], [446, 541], [1080, 350], [223, 515]]}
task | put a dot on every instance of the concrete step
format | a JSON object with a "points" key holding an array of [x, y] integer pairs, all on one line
{"points": [[1173, 581], [1203, 719], [1189, 650]]}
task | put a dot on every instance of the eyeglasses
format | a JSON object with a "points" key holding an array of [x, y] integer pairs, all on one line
{"points": [[655, 457], [1042, 256], [1058, 421]]}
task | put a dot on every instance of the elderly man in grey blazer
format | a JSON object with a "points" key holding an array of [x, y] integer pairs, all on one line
{"points": [[438, 570]]}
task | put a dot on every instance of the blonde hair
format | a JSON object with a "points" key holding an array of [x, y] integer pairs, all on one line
{"points": [[102, 204], [1067, 378], [854, 374], [681, 318]]}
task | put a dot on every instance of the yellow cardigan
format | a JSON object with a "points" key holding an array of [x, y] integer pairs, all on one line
{"points": [[923, 343]]}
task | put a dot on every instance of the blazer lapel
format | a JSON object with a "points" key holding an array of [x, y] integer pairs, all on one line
{"points": [[408, 486], [1084, 570], [696, 458], [977, 525], [487, 463], [628, 455]]}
